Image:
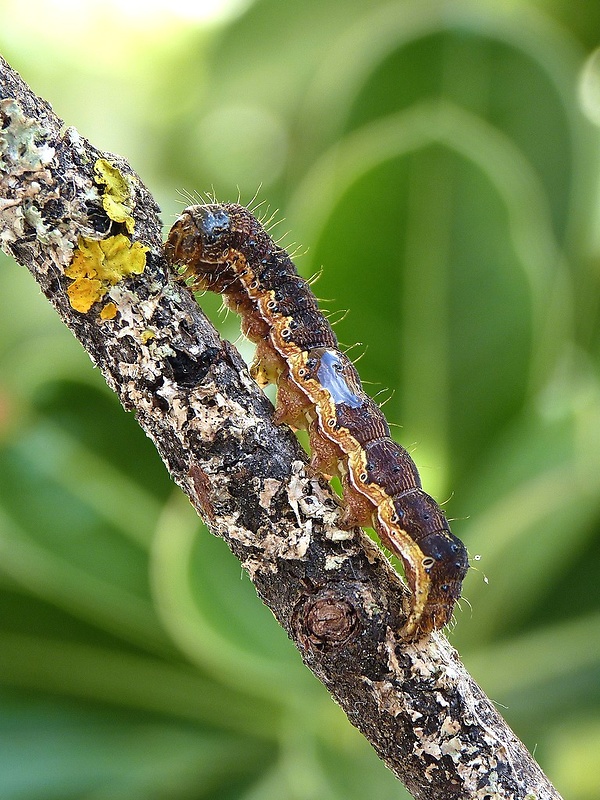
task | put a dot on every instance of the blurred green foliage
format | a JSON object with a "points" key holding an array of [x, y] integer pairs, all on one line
{"points": [[440, 161]]}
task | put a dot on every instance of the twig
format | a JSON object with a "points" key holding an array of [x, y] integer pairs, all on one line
{"points": [[332, 590]]}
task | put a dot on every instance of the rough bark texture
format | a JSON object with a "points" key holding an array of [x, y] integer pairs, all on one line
{"points": [[332, 590]]}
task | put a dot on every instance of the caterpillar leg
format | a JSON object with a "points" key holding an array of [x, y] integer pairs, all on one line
{"points": [[253, 328], [267, 364], [292, 405], [358, 510], [326, 455]]}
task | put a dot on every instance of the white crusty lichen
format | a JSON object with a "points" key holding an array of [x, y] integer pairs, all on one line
{"points": [[24, 151], [23, 142], [29, 180]]}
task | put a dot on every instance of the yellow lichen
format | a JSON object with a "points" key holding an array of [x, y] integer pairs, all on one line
{"points": [[98, 265], [116, 197], [83, 293], [109, 311]]}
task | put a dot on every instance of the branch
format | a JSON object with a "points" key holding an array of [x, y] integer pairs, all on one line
{"points": [[88, 230]]}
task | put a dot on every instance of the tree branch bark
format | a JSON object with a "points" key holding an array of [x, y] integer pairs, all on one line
{"points": [[332, 590]]}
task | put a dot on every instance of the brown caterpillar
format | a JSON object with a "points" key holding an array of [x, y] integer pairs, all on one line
{"points": [[225, 249]]}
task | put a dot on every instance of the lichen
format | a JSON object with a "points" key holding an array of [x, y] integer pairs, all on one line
{"points": [[109, 311], [35, 197], [23, 142], [24, 150], [117, 198], [98, 265]]}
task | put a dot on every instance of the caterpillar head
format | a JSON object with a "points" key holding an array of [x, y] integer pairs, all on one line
{"points": [[200, 237]]}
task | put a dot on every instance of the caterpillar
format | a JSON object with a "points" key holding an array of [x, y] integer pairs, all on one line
{"points": [[224, 248]]}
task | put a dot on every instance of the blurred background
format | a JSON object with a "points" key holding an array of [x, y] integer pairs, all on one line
{"points": [[440, 161]]}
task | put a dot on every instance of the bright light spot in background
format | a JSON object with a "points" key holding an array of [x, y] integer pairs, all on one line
{"points": [[589, 99], [589, 87], [98, 61], [108, 38], [63, 17], [87, 23], [155, 11]]}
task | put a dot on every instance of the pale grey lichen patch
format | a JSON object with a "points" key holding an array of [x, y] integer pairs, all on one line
{"points": [[268, 491], [311, 503], [386, 696], [339, 535], [256, 566], [427, 745], [208, 425], [292, 544], [11, 215], [443, 741], [246, 381], [296, 490], [454, 748], [309, 500], [154, 354], [74, 140], [390, 648], [204, 420], [450, 726], [30, 184], [492, 790], [23, 142], [228, 528], [335, 561], [171, 393], [425, 666], [441, 700], [292, 538], [33, 217], [136, 314]]}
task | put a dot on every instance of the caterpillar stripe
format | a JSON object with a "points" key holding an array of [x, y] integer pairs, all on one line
{"points": [[224, 249]]}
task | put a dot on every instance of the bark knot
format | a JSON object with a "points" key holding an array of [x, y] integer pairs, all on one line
{"points": [[327, 619]]}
